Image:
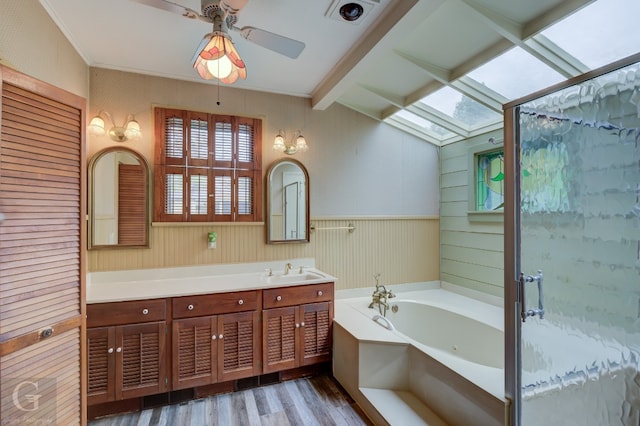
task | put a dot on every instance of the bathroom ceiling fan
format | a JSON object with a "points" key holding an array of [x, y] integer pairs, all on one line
{"points": [[227, 10]]}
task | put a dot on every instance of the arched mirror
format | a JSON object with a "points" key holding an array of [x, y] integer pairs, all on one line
{"points": [[287, 202], [118, 199]]}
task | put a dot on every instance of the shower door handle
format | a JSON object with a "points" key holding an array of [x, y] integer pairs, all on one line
{"points": [[524, 312]]}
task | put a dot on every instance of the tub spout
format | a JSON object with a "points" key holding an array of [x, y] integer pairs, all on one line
{"points": [[380, 297], [387, 324]]}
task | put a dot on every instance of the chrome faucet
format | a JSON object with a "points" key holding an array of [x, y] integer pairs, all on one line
{"points": [[381, 296], [287, 268]]}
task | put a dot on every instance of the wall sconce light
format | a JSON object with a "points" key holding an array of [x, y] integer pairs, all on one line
{"points": [[280, 143], [130, 130]]}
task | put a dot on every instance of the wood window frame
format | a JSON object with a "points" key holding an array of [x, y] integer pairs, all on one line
{"points": [[474, 215], [212, 166]]}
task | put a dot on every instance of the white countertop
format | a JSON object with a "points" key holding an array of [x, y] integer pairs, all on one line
{"points": [[118, 286]]}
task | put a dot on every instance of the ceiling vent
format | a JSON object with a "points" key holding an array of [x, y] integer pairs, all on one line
{"points": [[352, 12]]}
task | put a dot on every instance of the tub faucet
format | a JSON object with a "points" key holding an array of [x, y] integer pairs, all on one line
{"points": [[287, 268], [380, 297]]}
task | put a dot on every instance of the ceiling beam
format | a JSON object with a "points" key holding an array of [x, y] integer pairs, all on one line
{"points": [[412, 129], [369, 112], [395, 100], [507, 28], [443, 75], [466, 85], [524, 35], [388, 31], [560, 11]]}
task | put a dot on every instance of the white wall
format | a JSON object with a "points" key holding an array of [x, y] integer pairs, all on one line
{"points": [[31, 43]]}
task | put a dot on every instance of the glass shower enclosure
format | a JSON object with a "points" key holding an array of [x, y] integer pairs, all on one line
{"points": [[572, 251]]}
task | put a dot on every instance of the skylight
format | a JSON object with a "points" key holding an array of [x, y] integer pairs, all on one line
{"points": [[515, 73], [423, 124], [460, 107], [600, 33], [597, 34]]}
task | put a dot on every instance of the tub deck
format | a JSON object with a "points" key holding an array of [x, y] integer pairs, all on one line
{"points": [[399, 381]]}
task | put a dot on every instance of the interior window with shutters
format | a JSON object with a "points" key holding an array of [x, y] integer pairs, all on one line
{"points": [[207, 168]]}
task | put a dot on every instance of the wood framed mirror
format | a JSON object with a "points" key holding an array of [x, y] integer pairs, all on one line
{"points": [[287, 196], [118, 199]]}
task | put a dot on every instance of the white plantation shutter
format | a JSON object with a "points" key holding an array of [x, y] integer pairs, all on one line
{"points": [[198, 195], [174, 194], [223, 195], [174, 137], [199, 140], [245, 195]]}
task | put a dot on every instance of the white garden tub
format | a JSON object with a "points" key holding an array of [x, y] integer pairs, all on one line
{"points": [[441, 364]]}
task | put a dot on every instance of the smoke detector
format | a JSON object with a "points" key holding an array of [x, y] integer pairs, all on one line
{"points": [[352, 12]]}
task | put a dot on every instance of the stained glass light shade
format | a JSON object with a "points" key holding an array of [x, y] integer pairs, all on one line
{"points": [[217, 57]]}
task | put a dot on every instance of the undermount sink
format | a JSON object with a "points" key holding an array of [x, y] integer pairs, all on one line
{"points": [[293, 278]]}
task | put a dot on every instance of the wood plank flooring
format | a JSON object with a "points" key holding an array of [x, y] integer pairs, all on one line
{"points": [[309, 401]]}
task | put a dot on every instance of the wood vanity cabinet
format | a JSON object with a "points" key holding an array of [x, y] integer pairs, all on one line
{"points": [[126, 350], [199, 340], [296, 326], [216, 338]]}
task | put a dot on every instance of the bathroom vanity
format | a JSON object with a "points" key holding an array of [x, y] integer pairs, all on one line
{"points": [[201, 335]]}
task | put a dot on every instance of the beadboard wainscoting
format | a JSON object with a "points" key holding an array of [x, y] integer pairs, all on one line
{"points": [[402, 249]]}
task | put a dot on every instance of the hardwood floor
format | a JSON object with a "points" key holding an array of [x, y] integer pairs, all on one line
{"points": [[318, 400]]}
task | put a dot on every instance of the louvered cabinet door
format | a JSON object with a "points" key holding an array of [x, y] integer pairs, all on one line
{"points": [[140, 360], [316, 331], [194, 351], [238, 346], [280, 338], [101, 364]]}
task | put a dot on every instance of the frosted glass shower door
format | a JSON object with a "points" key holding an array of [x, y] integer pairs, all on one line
{"points": [[579, 231]]}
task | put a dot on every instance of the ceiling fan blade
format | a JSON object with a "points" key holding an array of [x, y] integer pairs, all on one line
{"points": [[174, 8], [284, 45]]}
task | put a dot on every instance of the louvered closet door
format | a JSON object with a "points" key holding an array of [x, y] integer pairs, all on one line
{"points": [[42, 189]]}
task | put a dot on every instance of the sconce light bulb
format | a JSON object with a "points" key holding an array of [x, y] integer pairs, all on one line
{"points": [[96, 126]]}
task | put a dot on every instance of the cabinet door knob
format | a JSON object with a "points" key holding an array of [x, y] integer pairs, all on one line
{"points": [[145, 311], [213, 337], [240, 302], [190, 307], [220, 336], [297, 325], [110, 350], [319, 292], [118, 349], [302, 324], [278, 298]]}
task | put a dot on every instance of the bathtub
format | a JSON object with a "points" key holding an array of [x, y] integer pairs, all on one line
{"points": [[437, 358]]}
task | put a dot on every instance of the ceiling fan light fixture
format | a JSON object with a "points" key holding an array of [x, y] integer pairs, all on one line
{"points": [[217, 57]]}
